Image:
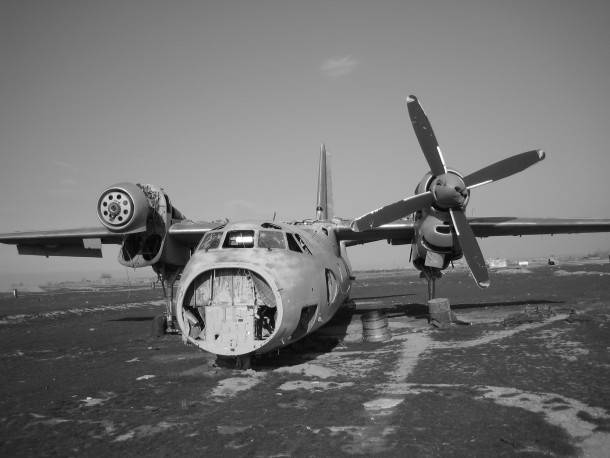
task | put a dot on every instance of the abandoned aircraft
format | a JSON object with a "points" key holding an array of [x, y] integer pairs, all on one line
{"points": [[247, 288]]}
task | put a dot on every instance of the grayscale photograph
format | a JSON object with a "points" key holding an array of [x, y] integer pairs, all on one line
{"points": [[276, 228]]}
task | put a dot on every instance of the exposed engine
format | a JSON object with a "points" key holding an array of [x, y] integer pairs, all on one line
{"points": [[143, 213]]}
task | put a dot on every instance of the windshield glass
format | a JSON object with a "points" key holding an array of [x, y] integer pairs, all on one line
{"points": [[239, 239], [271, 239], [210, 240]]}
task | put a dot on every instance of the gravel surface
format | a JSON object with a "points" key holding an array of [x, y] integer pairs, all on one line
{"points": [[81, 376]]}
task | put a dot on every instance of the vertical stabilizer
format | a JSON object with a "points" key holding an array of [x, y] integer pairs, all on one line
{"points": [[324, 210]]}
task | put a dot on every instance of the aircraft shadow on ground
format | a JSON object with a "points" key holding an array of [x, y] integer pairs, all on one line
{"points": [[362, 298], [418, 310], [332, 334], [327, 338], [134, 318], [506, 303], [324, 340]]}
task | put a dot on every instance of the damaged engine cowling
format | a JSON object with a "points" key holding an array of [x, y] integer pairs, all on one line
{"points": [[436, 245], [144, 214]]}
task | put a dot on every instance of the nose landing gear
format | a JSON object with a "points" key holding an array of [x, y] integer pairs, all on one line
{"points": [[166, 323]]}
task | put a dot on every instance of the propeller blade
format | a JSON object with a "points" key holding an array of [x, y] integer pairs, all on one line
{"points": [[504, 168], [425, 136], [392, 212], [470, 248]]}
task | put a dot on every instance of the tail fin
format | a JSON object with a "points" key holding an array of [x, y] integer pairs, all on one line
{"points": [[324, 207]]}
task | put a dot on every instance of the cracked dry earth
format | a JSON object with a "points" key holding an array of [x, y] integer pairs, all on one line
{"points": [[90, 381]]}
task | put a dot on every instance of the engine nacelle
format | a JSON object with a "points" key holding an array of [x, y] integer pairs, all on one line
{"points": [[144, 214], [123, 207], [436, 245]]}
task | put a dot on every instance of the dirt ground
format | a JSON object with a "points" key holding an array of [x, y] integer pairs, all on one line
{"points": [[81, 376]]}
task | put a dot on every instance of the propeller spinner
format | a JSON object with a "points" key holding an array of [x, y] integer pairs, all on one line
{"points": [[448, 191]]}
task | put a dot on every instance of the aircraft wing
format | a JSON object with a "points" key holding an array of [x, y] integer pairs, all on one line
{"points": [[498, 226], [189, 233], [87, 242], [400, 231], [84, 242]]}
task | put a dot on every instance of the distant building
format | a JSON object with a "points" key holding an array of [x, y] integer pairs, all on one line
{"points": [[498, 263]]}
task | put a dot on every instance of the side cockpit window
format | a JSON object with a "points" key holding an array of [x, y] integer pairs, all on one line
{"points": [[302, 244], [210, 240], [271, 239], [296, 243], [292, 243], [239, 239]]}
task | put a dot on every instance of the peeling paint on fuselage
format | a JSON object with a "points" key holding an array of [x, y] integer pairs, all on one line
{"points": [[298, 280]]}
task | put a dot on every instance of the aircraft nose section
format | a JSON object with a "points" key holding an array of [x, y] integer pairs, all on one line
{"points": [[229, 311]]}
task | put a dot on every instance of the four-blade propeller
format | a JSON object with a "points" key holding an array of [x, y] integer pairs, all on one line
{"points": [[447, 191]]}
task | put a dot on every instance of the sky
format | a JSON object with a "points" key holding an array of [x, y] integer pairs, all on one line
{"points": [[224, 104]]}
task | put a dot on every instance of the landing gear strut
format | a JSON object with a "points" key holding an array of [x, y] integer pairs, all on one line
{"points": [[167, 323]]}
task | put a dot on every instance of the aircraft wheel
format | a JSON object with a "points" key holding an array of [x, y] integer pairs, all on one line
{"points": [[158, 326]]}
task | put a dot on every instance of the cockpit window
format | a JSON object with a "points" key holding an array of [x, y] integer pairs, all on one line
{"points": [[239, 239], [271, 239], [210, 240], [292, 243], [296, 243], [302, 244]]}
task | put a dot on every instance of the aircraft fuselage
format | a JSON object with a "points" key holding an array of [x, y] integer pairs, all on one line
{"points": [[252, 287]]}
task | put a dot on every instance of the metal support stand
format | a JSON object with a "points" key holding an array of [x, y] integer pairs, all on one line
{"points": [[441, 315], [439, 312], [431, 274], [431, 287]]}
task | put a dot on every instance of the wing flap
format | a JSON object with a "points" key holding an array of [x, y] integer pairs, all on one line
{"points": [[64, 249]]}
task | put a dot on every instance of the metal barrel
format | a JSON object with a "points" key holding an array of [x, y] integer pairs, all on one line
{"points": [[375, 327]]}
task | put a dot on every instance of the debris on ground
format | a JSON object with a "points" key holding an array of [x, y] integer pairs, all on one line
{"points": [[531, 314], [575, 317]]}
